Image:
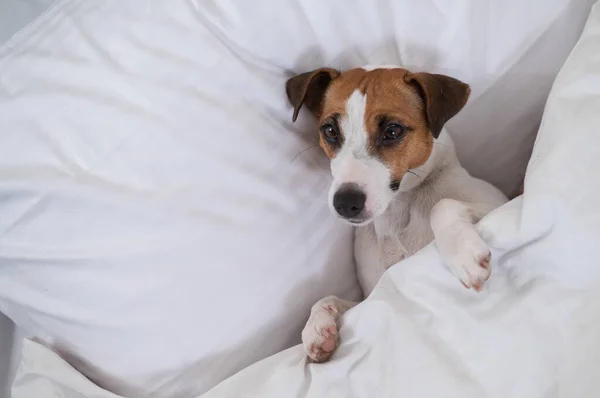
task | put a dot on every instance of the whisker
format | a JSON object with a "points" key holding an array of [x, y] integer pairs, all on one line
{"points": [[415, 169], [419, 170], [439, 143], [415, 174], [304, 150]]}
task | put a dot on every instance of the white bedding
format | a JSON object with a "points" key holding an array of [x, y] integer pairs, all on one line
{"points": [[531, 334], [14, 15], [148, 158]]}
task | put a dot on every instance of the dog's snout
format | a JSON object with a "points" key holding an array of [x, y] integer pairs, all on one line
{"points": [[349, 201]]}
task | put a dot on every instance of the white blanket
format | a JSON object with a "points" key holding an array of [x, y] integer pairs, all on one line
{"points": [[531, 333]]}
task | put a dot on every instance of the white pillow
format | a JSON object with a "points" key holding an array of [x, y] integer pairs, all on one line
{"points": [[163, 223], [161, 226]]}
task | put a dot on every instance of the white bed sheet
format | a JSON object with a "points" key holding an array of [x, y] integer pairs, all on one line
{"points": [[496, 66], [532, 333], [14, 15]]}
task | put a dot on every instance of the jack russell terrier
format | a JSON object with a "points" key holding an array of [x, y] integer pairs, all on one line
{"points": [[396, 177]]}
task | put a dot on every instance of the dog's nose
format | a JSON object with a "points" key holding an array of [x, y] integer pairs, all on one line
{"points": [[349, 201]]}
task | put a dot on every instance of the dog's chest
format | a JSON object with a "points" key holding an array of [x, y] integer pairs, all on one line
{"points": [[403, 230], [409, 226]]}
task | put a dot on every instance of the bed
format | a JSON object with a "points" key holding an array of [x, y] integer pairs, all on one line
{"points": [[164, 226], [14, 15]]}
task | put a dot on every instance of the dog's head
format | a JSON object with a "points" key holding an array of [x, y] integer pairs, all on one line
{"points": [[375, 124]]}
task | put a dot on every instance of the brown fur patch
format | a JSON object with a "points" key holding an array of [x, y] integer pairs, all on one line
{"points": [[387, 95]]}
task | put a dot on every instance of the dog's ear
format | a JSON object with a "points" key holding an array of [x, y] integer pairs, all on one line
{"points": [[443, 97], [308, 88]]}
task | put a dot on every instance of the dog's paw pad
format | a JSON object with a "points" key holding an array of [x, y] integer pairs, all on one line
{"points": [[320, 336], [470, 261], [485, 262], [473, 272], [331, 309]]}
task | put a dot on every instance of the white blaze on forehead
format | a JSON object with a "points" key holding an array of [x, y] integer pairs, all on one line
{"points": [[353, 163], [352, 125]]}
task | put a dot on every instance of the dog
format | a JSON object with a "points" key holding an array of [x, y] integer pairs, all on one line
{"points": [[396, 177]]}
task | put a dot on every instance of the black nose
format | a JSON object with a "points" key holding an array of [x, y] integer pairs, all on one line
{"points": [[349, 201]]}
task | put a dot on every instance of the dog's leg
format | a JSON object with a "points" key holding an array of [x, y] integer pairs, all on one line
{"points": [[459, 243], [393, 251], [320, 335]]}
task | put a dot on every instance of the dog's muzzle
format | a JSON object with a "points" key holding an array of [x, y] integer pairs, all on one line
{"points": [[349, 201]]}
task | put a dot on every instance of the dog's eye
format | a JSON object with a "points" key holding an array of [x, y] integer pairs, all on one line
{"points": [[392, 132], [330, 133]]}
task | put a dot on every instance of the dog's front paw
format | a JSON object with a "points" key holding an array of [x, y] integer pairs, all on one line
{"points": [[469, 260], [320, 334]]}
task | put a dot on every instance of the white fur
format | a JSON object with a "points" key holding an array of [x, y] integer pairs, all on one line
{"points": [[406, 221], [353, 164]]}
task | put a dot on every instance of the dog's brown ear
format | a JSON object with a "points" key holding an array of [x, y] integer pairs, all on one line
{"points": [[308, 88], [443, 96]]}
